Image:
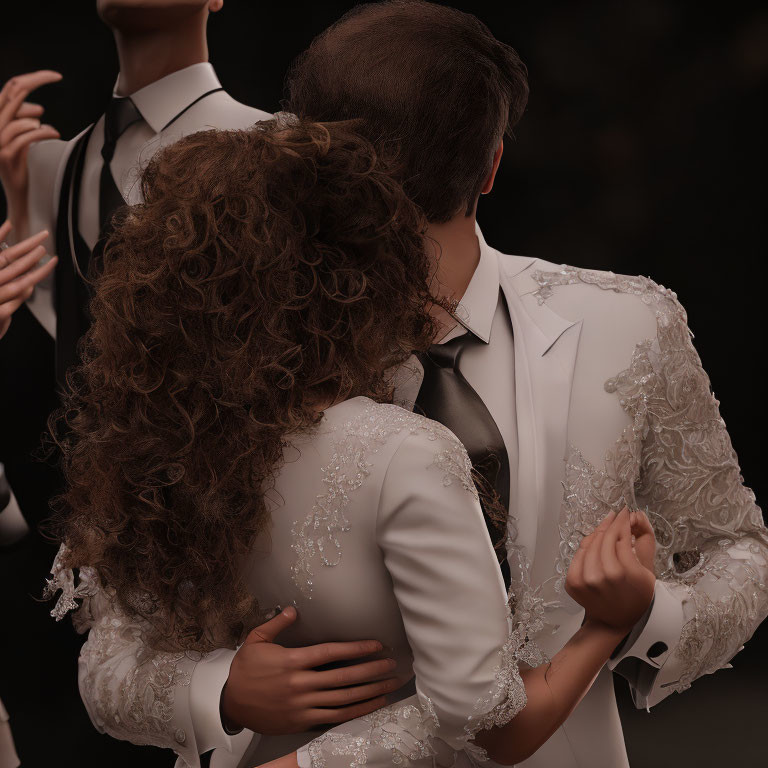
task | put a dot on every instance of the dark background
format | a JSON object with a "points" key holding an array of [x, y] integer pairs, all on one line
{"points": [[642, 151]]}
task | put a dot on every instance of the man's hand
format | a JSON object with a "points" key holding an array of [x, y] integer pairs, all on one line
{"points": [[272, 689], [17, 278], [19, 128], [606, 576]]}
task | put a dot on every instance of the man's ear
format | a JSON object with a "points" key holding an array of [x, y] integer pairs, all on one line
{"points": [[215, 5], [488, 186]]}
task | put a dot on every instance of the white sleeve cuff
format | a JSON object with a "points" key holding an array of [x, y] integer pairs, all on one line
{"points": [[654, 678], [13, 526], [661, 632], [208, 680]]}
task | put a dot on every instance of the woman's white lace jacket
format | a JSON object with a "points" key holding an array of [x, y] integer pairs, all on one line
{"points": [[434, 554]]}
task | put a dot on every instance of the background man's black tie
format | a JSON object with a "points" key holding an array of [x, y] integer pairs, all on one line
{"points": [[446, 396], [121, 113]]}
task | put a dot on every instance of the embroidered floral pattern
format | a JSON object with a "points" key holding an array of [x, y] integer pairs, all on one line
{"points": [[64, 579], [317, 535], [675, 459], [130, 689]]}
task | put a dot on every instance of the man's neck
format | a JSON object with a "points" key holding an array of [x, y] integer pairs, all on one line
{"points": [[458, 256], [149, 56]]}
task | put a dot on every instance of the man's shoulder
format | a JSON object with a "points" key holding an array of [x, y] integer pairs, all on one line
{"points": [[546, 279], [601, 299], [219, 110]]}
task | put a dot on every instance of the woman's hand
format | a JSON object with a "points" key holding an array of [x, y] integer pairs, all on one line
{"points": [[607, 577], [17, 278]]}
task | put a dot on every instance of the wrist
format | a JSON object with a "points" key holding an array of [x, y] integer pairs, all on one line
{"points": [[608, 631], [228, 722]]}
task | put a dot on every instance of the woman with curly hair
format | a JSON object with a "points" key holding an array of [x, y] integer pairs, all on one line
{"points": [[230, 444]]}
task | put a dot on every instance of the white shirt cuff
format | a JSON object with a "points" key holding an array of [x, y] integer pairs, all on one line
{"points": [[208, 680], [661, 632], [13, 526]]}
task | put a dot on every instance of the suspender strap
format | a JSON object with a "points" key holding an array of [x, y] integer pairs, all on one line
{"points": [[189, 106], [68, 286]]}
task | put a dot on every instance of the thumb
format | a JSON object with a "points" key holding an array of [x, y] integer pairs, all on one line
{"points": [[267, 632]]}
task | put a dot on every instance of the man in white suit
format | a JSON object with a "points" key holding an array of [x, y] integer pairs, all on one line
{"points": [[583, 387], [166, 89], [590, 377]]}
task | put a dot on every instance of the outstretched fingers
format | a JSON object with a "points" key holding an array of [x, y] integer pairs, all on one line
{"points": [[342, 714], [366, 672], [16, 90], [325, 653]]}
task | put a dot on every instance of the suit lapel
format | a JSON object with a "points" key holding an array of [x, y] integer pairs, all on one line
{"points": [[545, 356]]}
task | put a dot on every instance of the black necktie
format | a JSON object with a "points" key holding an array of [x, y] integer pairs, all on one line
{"points": [[121, 113], [446, 396]]}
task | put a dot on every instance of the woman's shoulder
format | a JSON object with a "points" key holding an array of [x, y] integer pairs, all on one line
{"points": [[379, 423]]}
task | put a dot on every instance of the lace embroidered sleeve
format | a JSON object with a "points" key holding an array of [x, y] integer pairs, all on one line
{"points": [[676, 460], [453, 604], [130, 691]]}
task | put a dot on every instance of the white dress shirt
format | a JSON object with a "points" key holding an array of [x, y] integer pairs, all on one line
{"points": [[158, 103], [482, 311]]}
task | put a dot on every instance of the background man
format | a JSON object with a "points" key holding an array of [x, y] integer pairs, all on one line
{"points": [[166, 88]]}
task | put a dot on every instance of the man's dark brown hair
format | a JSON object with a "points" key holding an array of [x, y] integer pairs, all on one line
{"points": [[432, 78]]}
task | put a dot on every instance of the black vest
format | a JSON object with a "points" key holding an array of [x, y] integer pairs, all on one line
{"points": [[72, 293]]}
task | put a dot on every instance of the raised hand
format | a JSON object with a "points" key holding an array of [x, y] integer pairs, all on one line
{"points": [[20, 126], [607, 577], [17, 276], [272, 689]]}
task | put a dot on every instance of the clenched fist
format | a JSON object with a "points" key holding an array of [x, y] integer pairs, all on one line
{"points": [[606, 576]]}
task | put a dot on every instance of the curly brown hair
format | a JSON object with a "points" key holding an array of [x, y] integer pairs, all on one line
{"points": [[268, 271]]}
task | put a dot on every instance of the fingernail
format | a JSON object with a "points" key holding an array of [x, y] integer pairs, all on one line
{"points": [[289, 612], [391, 663]]}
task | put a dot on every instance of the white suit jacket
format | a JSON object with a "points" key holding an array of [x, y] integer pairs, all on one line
{"points": [[613, 408]]}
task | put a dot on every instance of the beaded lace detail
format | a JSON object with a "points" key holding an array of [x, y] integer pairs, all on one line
{"points": [[404, 729], [317, 535], [675, 459], [129, 688], [64, 579], [408, 729]]}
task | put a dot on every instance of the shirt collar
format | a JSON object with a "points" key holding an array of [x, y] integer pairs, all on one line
{"points": [[478, 305], [161, 101]]}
